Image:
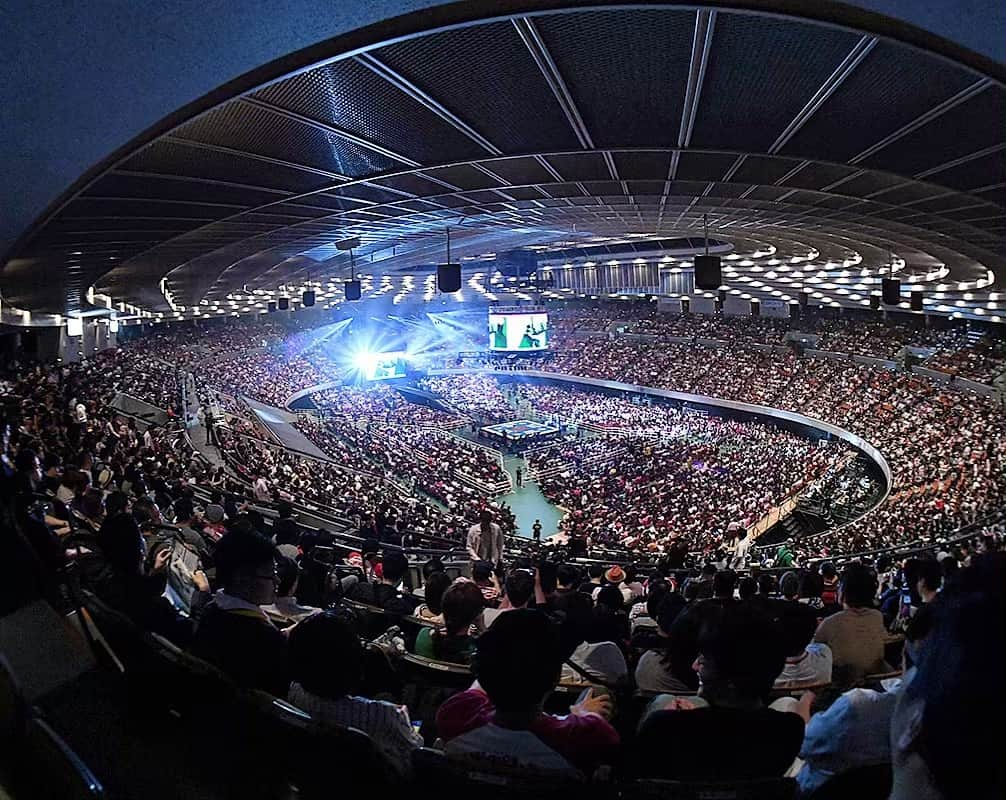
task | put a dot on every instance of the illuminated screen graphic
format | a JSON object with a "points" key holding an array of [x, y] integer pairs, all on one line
{"points": [[381, 366], [518, 332]]}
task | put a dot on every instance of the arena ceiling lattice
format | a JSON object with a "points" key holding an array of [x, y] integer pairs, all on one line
{"points": [[801, 142]]}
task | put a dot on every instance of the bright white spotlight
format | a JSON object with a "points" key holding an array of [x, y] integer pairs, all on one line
{"points": [[365, 361]]}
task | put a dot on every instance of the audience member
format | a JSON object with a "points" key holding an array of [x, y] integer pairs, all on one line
{"points": [[326, 666], [728, 731], [501, 719], [855, 635]]}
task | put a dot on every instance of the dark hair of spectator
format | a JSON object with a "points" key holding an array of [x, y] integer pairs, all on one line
{"points": [[743, 651], [724, 582], [395, 565], [671, 606], [116, 503], [462, 602], [859, 586], [482, 571], [519, 588], [183, 509], [431, 567], [567, 575], [799, 623], [930, 573], [326, 655], [547, 576], [518, 660], [240, 551], [656, 591], [434, 589]]}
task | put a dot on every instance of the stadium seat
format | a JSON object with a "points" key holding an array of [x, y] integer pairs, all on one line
{"points": [[491, 780], [797, 690], [51, 770], [374, 620], [190, 687], [430, 672], [312, 756], [761, 789], [13, 717], [863, 783]]}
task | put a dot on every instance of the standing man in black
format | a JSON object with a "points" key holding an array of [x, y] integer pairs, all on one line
{"points": [[536, 531], [520, 477], [208, 422]]}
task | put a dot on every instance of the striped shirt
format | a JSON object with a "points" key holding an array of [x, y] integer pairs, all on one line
{"points": [[387, 724]]}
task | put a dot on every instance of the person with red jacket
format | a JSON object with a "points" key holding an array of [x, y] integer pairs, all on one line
{"points": [[500, 718]]}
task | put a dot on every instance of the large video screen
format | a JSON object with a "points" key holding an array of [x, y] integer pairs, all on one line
{"points": [[382, 366], [518, 332]]}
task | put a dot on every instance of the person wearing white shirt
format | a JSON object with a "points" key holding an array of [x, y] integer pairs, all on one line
{"points": [[808, 663], [261, 489]]}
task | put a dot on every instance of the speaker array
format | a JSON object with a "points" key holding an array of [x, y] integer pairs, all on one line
{"points": [[708, 273], [449, 278]]}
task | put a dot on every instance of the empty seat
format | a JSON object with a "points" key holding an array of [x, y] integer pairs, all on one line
{"points": [[51, 770]]}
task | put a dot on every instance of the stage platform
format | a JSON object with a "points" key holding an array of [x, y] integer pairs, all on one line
{"points": [[519, 430]]}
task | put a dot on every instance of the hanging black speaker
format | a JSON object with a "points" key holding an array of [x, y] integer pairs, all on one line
{"points": [[794, 310], [708, 274], [284, 304], [271, 305], [755, 307], [352, 290], [307, 298], [891, 290], [916, 297], [874, 301], [717, 305], [721, 295], [686, 305], [449, 278], [803, 298]]}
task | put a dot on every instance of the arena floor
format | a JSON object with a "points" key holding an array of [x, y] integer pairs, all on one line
{"points": [[528, 503]]}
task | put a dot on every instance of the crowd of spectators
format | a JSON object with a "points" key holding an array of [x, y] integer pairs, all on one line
{"points": [[381, 402], [481, 399], [720, 658], [681, 477], [977, 355], [946, 446]]}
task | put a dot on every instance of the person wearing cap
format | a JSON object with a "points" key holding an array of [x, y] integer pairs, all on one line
{"points": [[614, 576], [213, 515]]}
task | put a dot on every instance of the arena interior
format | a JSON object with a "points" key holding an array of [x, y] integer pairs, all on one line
{"points": [[669, 336]]}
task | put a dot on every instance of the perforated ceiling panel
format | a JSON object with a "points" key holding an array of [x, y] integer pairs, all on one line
{"points": [[487, 77], [352, 97], [620, 127], [761, 72], [890, 88], [612, 58]]}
